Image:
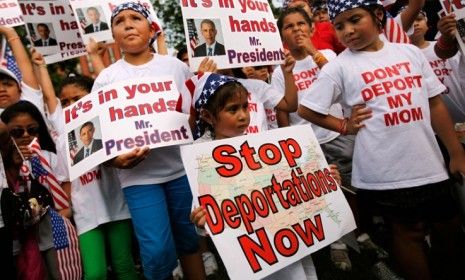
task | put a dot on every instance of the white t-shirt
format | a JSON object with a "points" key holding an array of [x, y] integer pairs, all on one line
{"points": [[96, 196], [262, 98], [396, 148], [454, 96], [306, 72], [163, 164], [3, 185]]}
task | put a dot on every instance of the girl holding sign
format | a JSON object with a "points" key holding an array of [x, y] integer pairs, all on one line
{"points": [[220, 107], [392, 104], [154, 184]]}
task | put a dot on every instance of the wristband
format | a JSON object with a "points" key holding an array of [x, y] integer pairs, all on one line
{"points": [[444, 46], [319, 59], [13, 38], [343, 127]]}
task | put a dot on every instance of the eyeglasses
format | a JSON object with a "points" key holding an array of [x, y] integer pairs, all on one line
{"points": [[19, 132]]}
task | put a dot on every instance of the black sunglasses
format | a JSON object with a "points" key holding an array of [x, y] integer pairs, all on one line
{"points": [[19, 132]]}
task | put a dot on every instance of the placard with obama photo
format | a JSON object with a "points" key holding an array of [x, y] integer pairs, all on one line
{"points": [[121, 117], [234, 33], [271, 200]]}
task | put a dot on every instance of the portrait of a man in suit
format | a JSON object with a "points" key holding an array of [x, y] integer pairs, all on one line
{"points": [[44, 33], [90, 144], [96, 25], [211, 47]]}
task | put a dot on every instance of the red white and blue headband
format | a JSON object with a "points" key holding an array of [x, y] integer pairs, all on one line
{"points": [[335, 7], [141, 9]]}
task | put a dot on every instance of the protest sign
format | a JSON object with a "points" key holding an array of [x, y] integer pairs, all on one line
{"points": [[234, 33], [52, 29], [121, 117], [271, 199], [95, 17], [458, 8], [10, 14]]}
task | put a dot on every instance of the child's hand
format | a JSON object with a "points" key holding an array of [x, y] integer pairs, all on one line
{"points": [[359, 114], [25, 151], [198, 217], [447, 25], [131, 159], [207, 65], [335, 173], [37, 58], [457, 165], [94, 48], [289, 62], [67, 213]]}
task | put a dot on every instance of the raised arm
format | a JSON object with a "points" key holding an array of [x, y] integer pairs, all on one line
{"points": [[409, 14], [289, 102], [41, 72], [96, 51], [447, 46], [21, 56]]}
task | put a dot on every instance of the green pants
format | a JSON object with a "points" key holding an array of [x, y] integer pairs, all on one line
{"points": [[116, 235]]}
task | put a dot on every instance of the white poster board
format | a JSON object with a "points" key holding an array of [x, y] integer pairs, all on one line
{"points": [[52, 29], [271, 199], [121, 117], [245, 33], [10, 14]]}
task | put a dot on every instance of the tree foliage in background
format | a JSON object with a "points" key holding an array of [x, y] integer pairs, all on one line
{"points": [[169, 12]]}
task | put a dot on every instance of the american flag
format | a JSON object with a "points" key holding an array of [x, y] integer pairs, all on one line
{"points": [[8, 61], [394, 32], [41, 170], [193, 36], [65, 241]]}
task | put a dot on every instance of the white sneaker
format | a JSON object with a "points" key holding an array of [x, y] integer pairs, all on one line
{"points": [[177, 272], [209, 261]]}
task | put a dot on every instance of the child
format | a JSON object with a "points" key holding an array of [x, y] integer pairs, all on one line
{"points": [[221, 109], [22, 83], [154, 185], [397, 162], [24, 123], [99, 209], [445, 69]]}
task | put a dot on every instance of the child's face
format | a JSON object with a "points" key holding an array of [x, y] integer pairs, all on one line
{"points": [[132, 31], [321, 15], [357, 30], [234, 118], [296, 31], [420, 26], [70, 94], [23, 128], [9, 92]]}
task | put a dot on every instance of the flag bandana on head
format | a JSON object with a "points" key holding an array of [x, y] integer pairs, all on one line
{"points": [[141, 9], [336, 7], [206, 84]]}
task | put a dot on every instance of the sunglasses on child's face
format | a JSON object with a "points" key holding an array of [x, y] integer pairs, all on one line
{"points": [[18, 132]]}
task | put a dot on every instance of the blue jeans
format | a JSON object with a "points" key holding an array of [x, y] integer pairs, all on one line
{"points": [[160, 215]]}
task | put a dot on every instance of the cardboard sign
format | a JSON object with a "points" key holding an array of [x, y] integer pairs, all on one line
{"points": [[10, 14]]}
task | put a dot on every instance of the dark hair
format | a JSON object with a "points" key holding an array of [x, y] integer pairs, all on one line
{"points": [[43, 25], [89, 123], [92, 9], [81, 82], [181, 52], [218, 100], [238, 73], [26, 107], [209, 22], [371, 9], [293, 10]]}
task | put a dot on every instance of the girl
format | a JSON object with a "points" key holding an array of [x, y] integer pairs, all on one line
{"points": [[155, 185], [99, 209], [24, 123], [394, 129], [220, 106]]}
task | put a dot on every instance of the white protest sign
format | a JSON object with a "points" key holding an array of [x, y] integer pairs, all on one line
{"points": [[121, 117], [95, 17], [52, 29], [271, 199], [10, 14], [458, 8], [234, 33]]}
